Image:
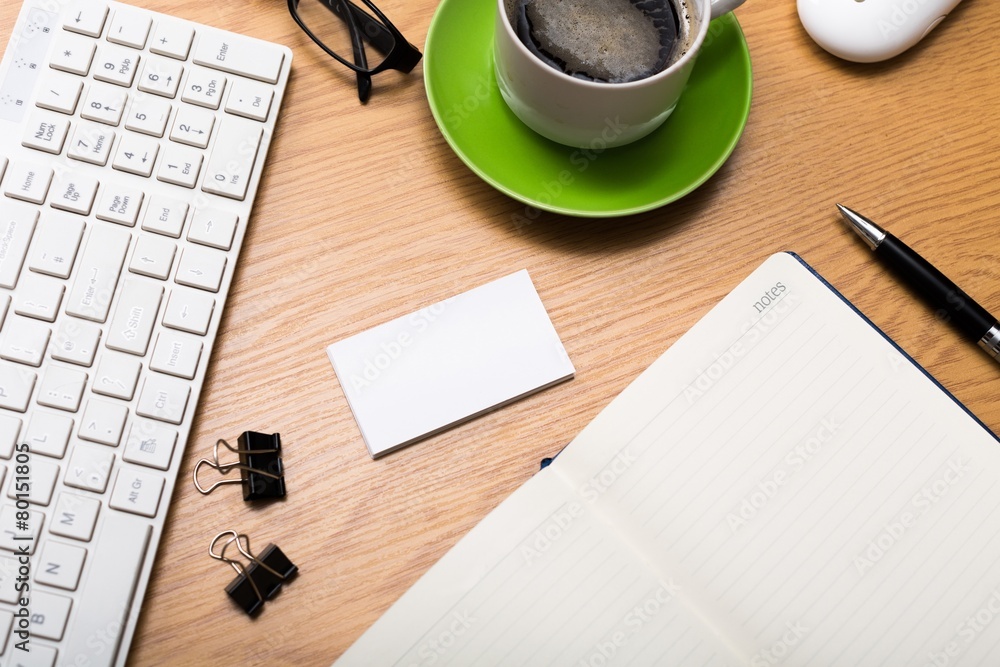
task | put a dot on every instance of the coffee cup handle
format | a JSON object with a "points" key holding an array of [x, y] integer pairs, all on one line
{"points": [[720, 7]]}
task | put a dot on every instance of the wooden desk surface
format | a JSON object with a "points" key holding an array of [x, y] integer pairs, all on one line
{"points": [[365, 214]]}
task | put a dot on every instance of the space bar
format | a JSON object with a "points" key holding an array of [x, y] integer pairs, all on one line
{"points": [[99, 620]]}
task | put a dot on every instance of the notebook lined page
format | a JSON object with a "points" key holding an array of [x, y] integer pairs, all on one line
{"points": [[541, 581], [819, 499]]}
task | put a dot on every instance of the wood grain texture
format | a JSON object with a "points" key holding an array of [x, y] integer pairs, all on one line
{"points": [[365, 214]]}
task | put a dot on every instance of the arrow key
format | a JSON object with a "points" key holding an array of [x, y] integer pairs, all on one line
{"points": [[193, 126], [153, 257], [189, 310], [136, 155], [161, 76]]}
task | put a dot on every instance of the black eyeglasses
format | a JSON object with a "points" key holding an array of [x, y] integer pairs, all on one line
{"points": [[340, 26]]}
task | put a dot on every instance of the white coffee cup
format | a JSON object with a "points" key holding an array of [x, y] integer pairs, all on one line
{"points": [[582, 113]]}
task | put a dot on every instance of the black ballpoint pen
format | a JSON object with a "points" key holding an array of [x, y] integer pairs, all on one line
{"points": [[945, 296]]}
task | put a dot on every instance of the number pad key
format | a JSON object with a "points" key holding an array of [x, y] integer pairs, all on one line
{"points": [[73, 54], [136, 155], [148, 115], [91, 143], [116, 65], [161, 77], [204, 88], [105, 104], [193, 127]]}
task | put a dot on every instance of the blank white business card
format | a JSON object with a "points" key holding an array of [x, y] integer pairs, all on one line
{"points": [[445, 364]]}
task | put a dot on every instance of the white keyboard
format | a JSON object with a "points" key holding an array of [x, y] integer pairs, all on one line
{"points": [[131, 148]]}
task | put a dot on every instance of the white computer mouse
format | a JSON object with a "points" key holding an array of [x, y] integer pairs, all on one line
{"points": [[868, 31]]}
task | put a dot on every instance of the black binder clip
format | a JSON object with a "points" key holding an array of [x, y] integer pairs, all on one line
{"points": [[261, 579], [261, 471]]}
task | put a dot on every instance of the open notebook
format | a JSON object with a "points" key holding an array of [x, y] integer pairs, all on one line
{"points": [[782, 486]]}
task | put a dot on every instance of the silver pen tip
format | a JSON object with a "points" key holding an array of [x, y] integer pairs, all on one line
{"points": [[870, 233]]}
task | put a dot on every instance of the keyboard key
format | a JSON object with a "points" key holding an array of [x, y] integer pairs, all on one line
{"points": [[137, 492], [10, 432], [60, 565], [39, 297], [62, 388], [40, 656], [24, 341], [73, 54], [28, 182], [129, 27], [201, 268], [44, 475], [136, 155], [59, 92], [13, 532], [150, 444], [48, 433], [17, 226], [193, 126], [100, 266], [213, 227], [153, 257], [45, 131], [239, 55], [57, 241], [76, 342], [204, 88], [116, 65], [176, 354], [120, 204], [74, 516], [164, 215], [233, 156], [86, 17], [105, 598], [163, 398], [103, 422], [91, 143], [172, 39], [117, 375], [105, 104], [49, 613], [189, 310], [250, 99], [148, 115], [161, 77], [16, 385], [180, 166], [135, 316], [73, 192], [90, 468], [8, 579]]}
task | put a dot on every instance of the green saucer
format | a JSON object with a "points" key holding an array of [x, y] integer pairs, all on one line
{"points": [[663, 167]]}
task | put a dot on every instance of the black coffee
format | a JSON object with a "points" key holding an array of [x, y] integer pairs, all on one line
{"points": [[612, 41]]}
